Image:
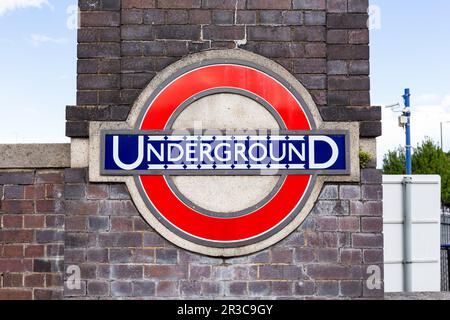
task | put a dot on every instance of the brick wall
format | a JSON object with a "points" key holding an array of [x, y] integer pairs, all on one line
{"points": [[122, 257], [31, 234], [123, 44], [55, 218]]}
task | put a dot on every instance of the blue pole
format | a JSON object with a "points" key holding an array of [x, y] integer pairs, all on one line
{"points": [[407, 114]]}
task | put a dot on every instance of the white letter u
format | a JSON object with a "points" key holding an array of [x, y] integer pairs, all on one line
{"points": [[135, 164]]}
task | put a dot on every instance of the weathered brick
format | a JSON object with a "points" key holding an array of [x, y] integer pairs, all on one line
{"points": [[259, 288], [98, 224], [351, 288], [349, 224], [74, 191], [121, 289], [263, 33], [371, 256], [332, 208], [99, 50], [126, 272], [282, 255], [17, 206], [99, 19], [292, 18], [167, 256], [98, 288], [212, 289], [315, 18], [327, 223], [199, 272], [268, 4], [154, 17], [189, 32], [132, 16], [337, 6], [129, 239], [122, 224], [81, 207], [351, 256], [327, 255], [368, 208], [328, 288], [309, 4], [371, 176], [347, 21], [16, 236], [280, 272], [304, 288], [246, 17], [329, 192], [223, 17], [144, 288], [309, 33], [358, 6], [15, 294], [14, 192], [167, 289], [367, 240], [97, 255], [166, 272], [178, 17], [223, 4], [175, 4], [49, 236], [152, 239], [372, 224], [328, 272], [347, 52], [223, 32], [310, 66], [12, 221], [347, 192], [34, 251], [13, 251], [271, 17], [200, 16], [34, 280], [97, 191], [34, 192], [76, 223], [370, 129], [118, 208], [47, 265], [137, 32], [305, 255]]}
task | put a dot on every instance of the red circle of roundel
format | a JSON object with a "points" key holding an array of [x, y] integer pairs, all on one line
{"points": [[185, 219]]}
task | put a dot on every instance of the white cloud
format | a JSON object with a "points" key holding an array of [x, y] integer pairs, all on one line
{"points": [[38, 39], [11, 5], [427, 116]]}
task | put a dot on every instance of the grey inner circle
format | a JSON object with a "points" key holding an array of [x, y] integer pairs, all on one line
{"points": [[225, 196]]}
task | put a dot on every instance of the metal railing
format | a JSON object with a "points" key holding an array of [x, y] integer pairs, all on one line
{"points": [[445, 252]]}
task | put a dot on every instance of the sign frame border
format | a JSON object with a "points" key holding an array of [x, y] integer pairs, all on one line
{"points": [[169, 172]]}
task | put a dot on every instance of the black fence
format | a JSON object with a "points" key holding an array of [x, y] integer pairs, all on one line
{"points": [[445, 252]]}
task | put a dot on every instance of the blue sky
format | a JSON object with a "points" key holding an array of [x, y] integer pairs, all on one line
{"points": [[412, 49], [37, 70], [38, 67]]}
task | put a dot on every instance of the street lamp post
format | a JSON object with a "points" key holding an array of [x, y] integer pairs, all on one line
{"points": [[442, 136], [407, 114]]}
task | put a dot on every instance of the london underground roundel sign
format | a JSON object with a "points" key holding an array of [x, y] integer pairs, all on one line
{"points": [[176, 161]]}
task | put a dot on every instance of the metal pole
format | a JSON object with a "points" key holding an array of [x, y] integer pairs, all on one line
{"points": [[407, 235], [442, 138], [407, 113]]}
